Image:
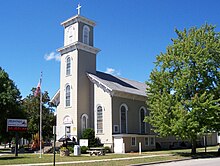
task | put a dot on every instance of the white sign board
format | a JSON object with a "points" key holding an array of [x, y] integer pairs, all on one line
{"points": [[84, 142], [16, 124]]}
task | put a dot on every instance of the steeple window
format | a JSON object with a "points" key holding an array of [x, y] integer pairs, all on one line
{"points": [[67, 95], [86, 31], [68, 66]]}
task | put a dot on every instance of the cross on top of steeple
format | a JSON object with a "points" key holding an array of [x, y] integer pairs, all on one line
{"points": [[78, 9]]}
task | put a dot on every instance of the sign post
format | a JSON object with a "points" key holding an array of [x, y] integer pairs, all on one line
{"points": [[16, 144], [16, 125]]}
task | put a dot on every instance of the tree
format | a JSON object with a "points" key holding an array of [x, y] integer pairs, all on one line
{"points": [[90, 135], [183, 89], [9, 104], [31, 107]]}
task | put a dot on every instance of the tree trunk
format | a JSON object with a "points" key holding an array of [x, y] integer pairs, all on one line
{"points": [[193, 151]]}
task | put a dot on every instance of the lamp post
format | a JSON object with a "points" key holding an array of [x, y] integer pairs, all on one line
{"points": [[54, 144]]}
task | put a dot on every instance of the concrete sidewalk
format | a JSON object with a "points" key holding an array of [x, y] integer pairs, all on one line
{"points": [[88, 161]]}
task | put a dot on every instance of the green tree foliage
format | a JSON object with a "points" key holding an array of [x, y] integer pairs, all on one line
{"points": [[9, 104], [183, 89], [90, 135], [31, 107]]}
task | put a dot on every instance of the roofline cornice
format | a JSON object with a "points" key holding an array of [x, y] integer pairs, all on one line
{"points": [[114, 93], [78, 45], [56, 98], [78, 18], [129, 95], [100, 85]]}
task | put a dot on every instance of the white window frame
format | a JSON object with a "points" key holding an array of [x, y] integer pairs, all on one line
{"points": [[145, 114], [99, 131], [68, 129], [82, 125], [116, 131], [66, 95], [69, 34], [146, 143], [67, 120], [126, 118], [135, 141], [70, 69], [150, 143], [86, 29]]}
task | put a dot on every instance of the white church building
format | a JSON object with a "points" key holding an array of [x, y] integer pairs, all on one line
{"points": [[114, 107]]}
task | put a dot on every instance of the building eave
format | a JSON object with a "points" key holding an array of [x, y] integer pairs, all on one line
{"points": [[127, 95], [78, 45], [56, 98], [100, 84], [115, 93], [78, 18]]}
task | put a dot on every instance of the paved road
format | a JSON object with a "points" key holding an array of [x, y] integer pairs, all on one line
{"points": [[194, 162]]}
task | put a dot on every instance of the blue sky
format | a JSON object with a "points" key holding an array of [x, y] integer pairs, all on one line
{"points": [[130, 33]]}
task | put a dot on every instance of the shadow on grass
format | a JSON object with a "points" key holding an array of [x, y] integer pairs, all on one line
{"points": [[199, 154], [5, 152], [10, 157]]}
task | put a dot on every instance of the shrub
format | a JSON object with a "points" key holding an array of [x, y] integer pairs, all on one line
{"points": [[90, 135], [107, 149], [71, 149], [84, 149], [63, 148], [64, 151]]}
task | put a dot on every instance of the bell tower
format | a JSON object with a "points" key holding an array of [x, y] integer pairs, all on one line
{"points": [[78, 57], [78, 29]]}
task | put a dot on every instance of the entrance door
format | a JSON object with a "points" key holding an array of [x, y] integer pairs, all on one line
{"points": [[118, 145], [68, 131]]}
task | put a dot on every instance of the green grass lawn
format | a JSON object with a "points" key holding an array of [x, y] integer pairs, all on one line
{"points": [[198, 150], [130, 161], [48, 158], [3, 150]]}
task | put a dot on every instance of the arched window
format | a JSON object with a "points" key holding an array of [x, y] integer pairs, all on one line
{"points": [[69, 35], [99, 119], [142, 114], [84, 122], [67, 95], [86, 34], [123, 118], [67, 120], [68, 66]]}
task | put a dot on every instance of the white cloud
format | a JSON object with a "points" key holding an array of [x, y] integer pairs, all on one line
{"points": [[112, 71], [52, 56]]}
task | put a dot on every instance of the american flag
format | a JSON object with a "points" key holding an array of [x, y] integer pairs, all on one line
{"points": [[37, 91], [38, 88]]}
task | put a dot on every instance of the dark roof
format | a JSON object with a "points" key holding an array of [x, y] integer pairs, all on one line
{"points": [[115, 83]]}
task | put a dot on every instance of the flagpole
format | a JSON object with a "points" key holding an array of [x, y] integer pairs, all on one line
{"points": [[41, 116]]}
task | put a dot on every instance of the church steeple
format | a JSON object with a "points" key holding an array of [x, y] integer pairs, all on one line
{"points": [[78, 29], [78, 57]]}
